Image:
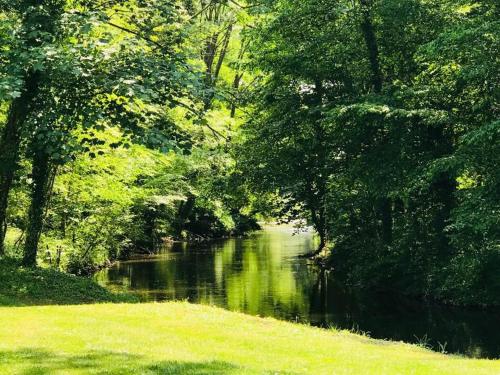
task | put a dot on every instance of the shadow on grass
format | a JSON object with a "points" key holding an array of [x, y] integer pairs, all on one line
{"points": [[40, 362]]}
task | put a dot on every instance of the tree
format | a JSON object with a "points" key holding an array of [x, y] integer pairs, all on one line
{"points": [[38, 29], [395, 122], [74, 84]]}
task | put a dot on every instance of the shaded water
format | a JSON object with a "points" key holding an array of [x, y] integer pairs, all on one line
{"points": [[263, 275]]}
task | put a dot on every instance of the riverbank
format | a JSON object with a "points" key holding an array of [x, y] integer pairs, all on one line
{"points": [[37, 286], [181, 338]]}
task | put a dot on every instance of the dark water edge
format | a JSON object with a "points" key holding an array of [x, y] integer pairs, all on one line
{"points": [[264, 275]]}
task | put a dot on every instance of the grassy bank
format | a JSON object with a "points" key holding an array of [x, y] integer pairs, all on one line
{"points": [[180, 338], [23, 286]]}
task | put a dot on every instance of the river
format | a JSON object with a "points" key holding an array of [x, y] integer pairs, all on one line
{"points": [[264, 275]]}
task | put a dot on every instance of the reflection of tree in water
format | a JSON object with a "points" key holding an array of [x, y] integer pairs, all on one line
{"points": [[258, 276]]}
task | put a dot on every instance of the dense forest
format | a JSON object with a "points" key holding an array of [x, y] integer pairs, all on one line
{"points": [[128, 123]]}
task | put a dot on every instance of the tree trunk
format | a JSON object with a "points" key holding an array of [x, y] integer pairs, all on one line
{"points": [[318, 219], [371, 44], [318, 191], [238, 76], [183, 213], [385, 205], [39, 195], [236, 86], [211, 51], [10, 146], [38, 19], [223, 52]]}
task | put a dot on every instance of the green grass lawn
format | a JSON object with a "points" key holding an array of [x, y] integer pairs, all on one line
{"points": [[180, 338]]}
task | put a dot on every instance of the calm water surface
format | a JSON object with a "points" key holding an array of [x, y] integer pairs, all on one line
{"points": [[263, 275]]}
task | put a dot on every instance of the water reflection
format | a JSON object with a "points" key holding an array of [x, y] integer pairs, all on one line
{"points": [[263, 275]]}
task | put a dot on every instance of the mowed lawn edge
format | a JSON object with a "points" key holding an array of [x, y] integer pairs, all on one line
{"points": [[183, 338]]}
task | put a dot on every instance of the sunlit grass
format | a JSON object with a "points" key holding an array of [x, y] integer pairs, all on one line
{"points": [[181, 338]]}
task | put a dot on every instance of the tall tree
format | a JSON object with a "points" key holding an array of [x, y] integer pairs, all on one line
{"points": [[75, 83], [38, 20]]}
